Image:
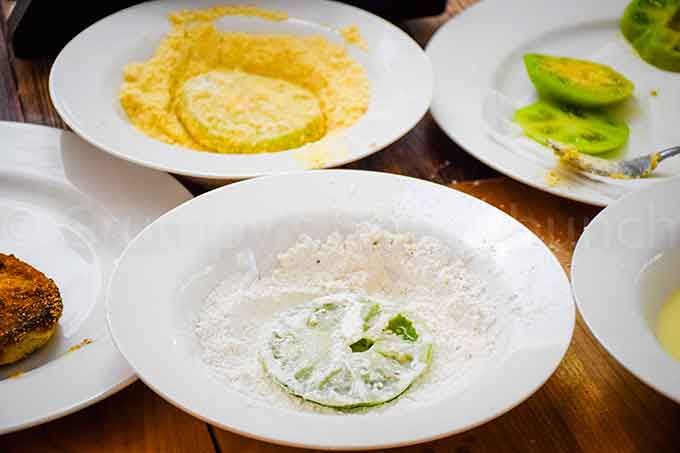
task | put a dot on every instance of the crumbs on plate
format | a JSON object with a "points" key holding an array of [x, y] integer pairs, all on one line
{"points": [[552, 178], [75, 347], [352, 35]]}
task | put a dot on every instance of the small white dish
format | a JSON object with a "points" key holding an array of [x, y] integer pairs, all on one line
{"points": [[87, 75], [625, 267], [187, 252], [69, 210], [479, 85]]}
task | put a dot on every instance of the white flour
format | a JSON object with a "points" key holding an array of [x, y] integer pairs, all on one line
{"points": [[421, 274]]}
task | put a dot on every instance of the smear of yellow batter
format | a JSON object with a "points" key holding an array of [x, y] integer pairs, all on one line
{"points": [[352, 35], [668, 326], [179, 18], [552, 178], [75, 347], [150, 94], [332, 148]]}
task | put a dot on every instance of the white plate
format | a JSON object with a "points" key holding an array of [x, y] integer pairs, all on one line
{"points": [[87, 75], [480, 79], [625, 267], [69, 210], [265, 216]]}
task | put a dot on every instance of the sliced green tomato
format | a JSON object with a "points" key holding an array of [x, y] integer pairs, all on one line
{"points": [[578, 82], [653, 28], [590, 131], [339, 351]]}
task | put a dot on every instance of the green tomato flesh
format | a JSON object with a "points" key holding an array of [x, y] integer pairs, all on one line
{"points": [[653, 28], [590, 131], [577, 82]]}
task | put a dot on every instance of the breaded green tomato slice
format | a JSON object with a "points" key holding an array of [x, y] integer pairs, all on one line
{"points": [[590, 131], [578, 82], [237, 112], [346, 351], [653, 28]]}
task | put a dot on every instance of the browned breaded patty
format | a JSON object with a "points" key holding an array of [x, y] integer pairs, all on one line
{"points": [[30, 304]]}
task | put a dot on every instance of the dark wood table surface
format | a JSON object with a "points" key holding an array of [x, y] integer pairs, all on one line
{"points": [[590, 404]]}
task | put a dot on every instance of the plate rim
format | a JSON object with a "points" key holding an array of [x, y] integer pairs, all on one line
{"points": [[106, 344], [211, 175]]}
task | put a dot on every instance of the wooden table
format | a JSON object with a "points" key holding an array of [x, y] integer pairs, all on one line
{"points": [[589, 404]]}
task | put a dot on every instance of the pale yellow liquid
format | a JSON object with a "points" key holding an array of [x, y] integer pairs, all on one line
{"points": [[668, 326]]}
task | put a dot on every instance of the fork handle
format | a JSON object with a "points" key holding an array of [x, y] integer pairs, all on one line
{"points": [[670, 152]]}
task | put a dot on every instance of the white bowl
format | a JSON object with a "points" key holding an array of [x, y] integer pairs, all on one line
{"points": [[626, 265], [164, 277], [87, 75]]}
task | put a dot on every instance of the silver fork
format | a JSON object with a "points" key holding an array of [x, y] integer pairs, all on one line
{"points": [[638, 167]]}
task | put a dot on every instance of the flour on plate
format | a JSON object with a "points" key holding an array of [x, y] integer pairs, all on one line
{"points": [[419, 273]]}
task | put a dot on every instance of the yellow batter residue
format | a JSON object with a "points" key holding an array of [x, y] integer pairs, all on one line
{"points": [[570, 154], [234, 92], [83, 343], [668, 326], [332, 148], [210, 14], [583, 72], [352, 35], [552, 178]]}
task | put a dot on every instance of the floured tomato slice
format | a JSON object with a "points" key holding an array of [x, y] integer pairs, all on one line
{"points": [[346, 351]]}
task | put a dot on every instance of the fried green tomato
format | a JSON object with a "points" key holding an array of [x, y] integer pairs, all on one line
{"points": [[30, 308]]}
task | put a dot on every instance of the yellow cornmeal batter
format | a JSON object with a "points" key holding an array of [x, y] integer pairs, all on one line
{"points": [[239, 92], [582, 72], [210, 14]]}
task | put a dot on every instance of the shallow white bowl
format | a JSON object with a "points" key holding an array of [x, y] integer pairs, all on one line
{"points": [[87, 75], [164, 276], [626, 265]]}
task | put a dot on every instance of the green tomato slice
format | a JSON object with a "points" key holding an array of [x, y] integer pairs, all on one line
{"points": [[345, 351], [653, 28], [590, 131], [577, 82]]}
